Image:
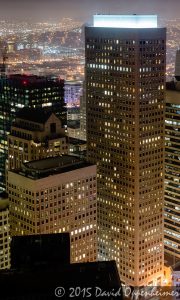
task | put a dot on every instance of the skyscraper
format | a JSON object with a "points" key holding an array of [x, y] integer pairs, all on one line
{"points": [[177, 65], [72, 92], [83, 114], [125, 76], [17, 91], [172, 171]]}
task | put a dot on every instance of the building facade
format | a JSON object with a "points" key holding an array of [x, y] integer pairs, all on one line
{"points": [[73, 113], [172, 171], [176, 281], [125, 80], [35, 134], [83, 114], [4, 234], [18, 91], [177, 65], [73, 129], [56, 195], [72, 93]]}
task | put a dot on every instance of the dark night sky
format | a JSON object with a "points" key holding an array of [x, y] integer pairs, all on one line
{"points": [[84, 9]]}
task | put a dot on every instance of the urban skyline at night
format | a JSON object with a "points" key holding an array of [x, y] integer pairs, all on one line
{"points": [[90, 149], [84, 9]]}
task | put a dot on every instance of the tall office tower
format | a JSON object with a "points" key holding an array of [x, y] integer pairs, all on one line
{"points": [[125, 76], [35, 134], [4, 233], [172, 171], [83, 114], [56, 195], [18, 91], [177, 65]]}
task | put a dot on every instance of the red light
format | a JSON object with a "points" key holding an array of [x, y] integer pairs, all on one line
{"points": [[24, 82]]}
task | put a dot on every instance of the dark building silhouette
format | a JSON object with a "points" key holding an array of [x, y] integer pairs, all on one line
{"points": [[40, 251], [177, 65], [40, 267]]}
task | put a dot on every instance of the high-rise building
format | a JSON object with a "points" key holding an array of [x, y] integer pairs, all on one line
{"points": [[35, 134], [55, 195], [177, 65], [17, 91], [4, 233], [125, 80], [172, 171], [83, 114], [72, 92]]}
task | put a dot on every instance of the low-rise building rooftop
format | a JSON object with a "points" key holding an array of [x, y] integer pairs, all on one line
{"points": [[51, 166]]}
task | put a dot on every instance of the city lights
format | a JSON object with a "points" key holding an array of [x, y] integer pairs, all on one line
{"points": [[89, 149]]}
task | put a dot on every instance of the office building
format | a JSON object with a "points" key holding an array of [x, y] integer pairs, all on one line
{"points": [[72, 92], [4, 233], [125, 83], [177, 65], [83, 114], [77, 147], [17, 91], [73, 113], [172, 171], [55, 195], [35, 134], [73, 129]]}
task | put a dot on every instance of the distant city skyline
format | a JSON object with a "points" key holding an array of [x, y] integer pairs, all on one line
{"points": [[42, 10]]}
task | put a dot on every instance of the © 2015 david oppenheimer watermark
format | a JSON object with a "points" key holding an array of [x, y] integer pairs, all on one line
{"points": [[97, 292], [87, 292]]}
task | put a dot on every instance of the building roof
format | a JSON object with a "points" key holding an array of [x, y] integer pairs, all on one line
{"points": [[24, 81], [53, 162], [73, 83], [51, 166], [125, 21], [74, 141], [37, 115]]}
